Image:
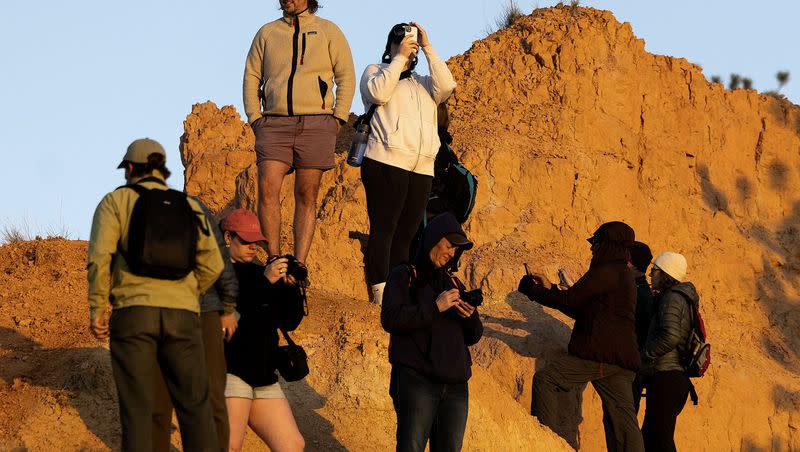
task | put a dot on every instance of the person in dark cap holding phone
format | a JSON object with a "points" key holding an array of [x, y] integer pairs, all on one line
{"points": [[602, 348], [431, 326]]}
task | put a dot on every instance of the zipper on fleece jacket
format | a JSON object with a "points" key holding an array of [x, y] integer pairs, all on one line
{"points": [[290, 83]]}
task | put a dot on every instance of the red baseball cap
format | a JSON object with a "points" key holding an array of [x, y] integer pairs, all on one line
{"points": [[245, 224]]}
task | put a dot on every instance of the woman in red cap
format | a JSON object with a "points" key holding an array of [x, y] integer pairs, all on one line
{"points": [[253, 395]]}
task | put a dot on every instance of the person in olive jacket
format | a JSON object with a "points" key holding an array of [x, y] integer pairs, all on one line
{"points": [[431, 329], [663, 372], [602, 348]]}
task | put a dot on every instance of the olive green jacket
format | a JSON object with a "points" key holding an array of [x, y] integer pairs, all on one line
{"points": [[110, 280]]}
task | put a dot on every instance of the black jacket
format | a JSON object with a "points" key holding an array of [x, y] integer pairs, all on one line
{"points": [[645, 309], [670, 329], [252, 350], [602, 302], [432, 343]]}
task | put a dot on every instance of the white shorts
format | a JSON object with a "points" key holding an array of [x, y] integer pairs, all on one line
{"points": [[236, 387]]}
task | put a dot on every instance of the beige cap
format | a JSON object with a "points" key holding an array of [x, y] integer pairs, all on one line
{"points": [[673, 264], [140, 150]]}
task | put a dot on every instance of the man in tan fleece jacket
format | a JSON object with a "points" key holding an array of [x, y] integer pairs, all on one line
{"points": [[289, 101]]}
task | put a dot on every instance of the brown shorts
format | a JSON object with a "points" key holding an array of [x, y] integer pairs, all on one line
{"points": [[298, 141]]}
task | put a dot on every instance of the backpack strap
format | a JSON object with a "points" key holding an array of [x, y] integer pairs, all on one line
{"points": [[692, 315], [140, 189], [412, 274], [287, 337], [366, 117], [693, 393]]}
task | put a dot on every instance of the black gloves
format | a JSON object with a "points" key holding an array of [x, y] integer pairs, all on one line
{"points": [[526, 285]]}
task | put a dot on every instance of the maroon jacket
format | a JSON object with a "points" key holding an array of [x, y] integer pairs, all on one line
{"points": [[602, 302]]}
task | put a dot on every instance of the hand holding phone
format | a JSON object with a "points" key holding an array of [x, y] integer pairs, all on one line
{"points": [[564, 279]]}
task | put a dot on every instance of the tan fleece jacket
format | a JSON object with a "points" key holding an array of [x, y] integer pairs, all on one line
{"points": [[110, 280], [298, 60]]}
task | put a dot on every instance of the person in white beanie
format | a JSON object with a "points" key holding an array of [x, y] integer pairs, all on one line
{"points": [[663, 372]]}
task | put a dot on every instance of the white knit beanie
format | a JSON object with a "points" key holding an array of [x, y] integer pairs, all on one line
{"points": [[673, 264]]}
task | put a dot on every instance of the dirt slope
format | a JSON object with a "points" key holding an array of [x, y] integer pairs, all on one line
{"points": [[56, 390], [568, 122]]}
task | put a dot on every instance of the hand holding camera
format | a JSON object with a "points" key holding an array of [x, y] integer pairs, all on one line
{"points": [[422, 37], [408, 46], [276, 269], [531, 281], [287, 267], [447, 299]]}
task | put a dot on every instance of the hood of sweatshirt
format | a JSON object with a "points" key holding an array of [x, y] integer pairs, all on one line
{"points": [[442, 225], [688, 290], [614, 241]]}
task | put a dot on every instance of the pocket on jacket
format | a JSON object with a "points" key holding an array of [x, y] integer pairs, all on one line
{"points": [[430, 139], [406, 135], [323, 90]]}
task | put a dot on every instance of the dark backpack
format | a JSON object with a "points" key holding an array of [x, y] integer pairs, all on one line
{"points": [[162, 233], [454, 187]]}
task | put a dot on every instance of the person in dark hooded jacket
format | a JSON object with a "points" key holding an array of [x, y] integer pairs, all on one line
{"points": [[602, 348], [431, 329], [663, 372]]}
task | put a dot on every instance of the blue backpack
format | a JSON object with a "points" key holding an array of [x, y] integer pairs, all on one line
{"points": [[454, 187]]}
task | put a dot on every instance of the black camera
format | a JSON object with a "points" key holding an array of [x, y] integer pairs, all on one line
{"points": [[473, 297], [294, 268]]}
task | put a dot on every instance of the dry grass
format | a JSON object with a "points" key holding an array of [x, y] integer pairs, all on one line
{"points": [[509, 14], [22, 232]]}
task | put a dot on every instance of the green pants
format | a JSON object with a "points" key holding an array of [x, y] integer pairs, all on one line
{"points": [[215, 366], [142, 339], [611, 382]]}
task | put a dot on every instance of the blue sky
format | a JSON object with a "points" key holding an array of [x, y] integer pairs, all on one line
{"points": [[80, 80]]}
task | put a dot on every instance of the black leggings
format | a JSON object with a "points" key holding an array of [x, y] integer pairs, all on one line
{"points": [[666, 396], [396, 201]]}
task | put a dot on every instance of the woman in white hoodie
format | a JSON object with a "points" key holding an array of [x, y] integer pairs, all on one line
{"points": [[397, 170]]}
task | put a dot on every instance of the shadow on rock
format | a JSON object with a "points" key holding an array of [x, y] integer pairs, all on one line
{"points": [[80, 377], [540, 336], [780, 263], [316, 429]]}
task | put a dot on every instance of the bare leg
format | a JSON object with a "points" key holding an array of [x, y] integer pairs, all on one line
{"points": [[306, 188], [273, 422], [270, 180], [238, 414]]}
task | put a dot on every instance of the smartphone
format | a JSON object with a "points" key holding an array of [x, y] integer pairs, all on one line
{"points": [[564, 279], [412, 31]]}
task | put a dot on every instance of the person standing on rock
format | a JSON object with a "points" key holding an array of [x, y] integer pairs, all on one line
{"points": [[602, 348], [663, 373], [151, 255], [218, 323], [398, 166], [431, 328], [289, 74], [253, 395]]}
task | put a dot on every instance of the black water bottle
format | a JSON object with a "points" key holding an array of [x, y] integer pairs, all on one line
{"points": [[359, 145]]}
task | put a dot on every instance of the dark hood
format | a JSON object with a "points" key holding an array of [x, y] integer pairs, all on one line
{"points": [[442, 225], [614, 241], [688, 290]]}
